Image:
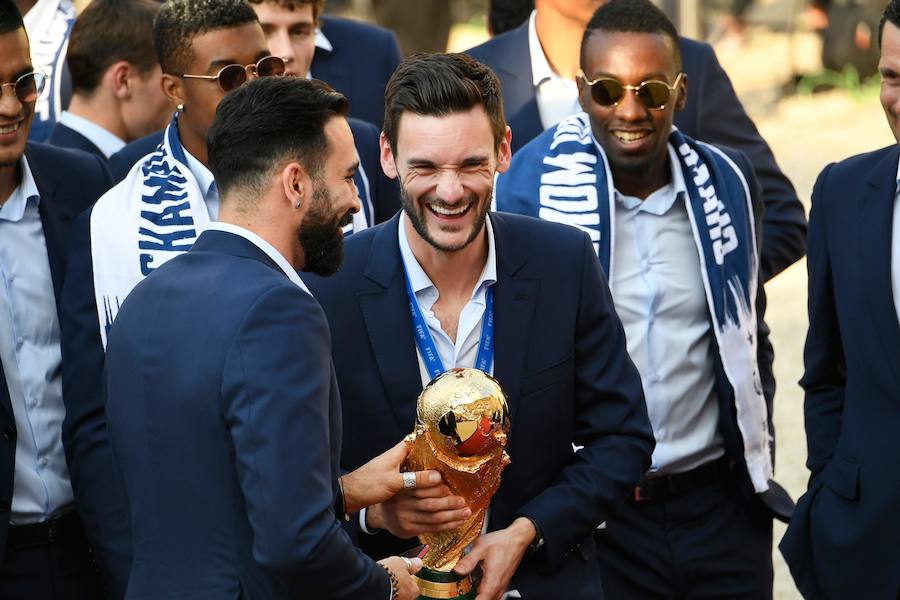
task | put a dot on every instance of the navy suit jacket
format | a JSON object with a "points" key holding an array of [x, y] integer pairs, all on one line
{"points": [[225, 423], [560, 357], [54, 171], [384, 193], [362, 59], [713, 114], [64, 136], [842, 540]]}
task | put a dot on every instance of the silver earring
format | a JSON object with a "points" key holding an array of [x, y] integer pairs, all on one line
{"points": [[180, 108]]}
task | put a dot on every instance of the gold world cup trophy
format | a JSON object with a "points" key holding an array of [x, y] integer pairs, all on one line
{"points": [[461, 424]]}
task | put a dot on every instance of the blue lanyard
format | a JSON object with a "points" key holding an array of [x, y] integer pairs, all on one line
{"points": [[425, 343]]}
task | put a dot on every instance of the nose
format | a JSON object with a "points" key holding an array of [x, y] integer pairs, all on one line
{"points": [[9, 102], [449, 186], [280, 45], [630, 108]]}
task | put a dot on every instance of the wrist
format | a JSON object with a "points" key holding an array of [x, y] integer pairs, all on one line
{"points": [[523, 531], [373, 521]]}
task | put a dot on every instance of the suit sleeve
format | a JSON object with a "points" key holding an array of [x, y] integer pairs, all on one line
{"points": [[721, 119], [825, 371], [98, 495], [610, 423], [276, 395]]}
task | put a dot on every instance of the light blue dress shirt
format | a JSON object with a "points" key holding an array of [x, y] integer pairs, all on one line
{"points": [[463, 351], [32, 362], [107, 142], [207, 184], [659, 294]]}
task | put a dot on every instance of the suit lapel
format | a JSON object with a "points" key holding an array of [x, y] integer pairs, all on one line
{"points": [[875, 237], [55, 221], [515, 297], [385, 311], [526, 124]]}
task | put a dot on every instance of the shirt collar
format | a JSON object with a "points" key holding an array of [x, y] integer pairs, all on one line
{"points": [[898, 178], [541, 70], [419, 280], [203, 175], [323, 42], [660, 201], [14, 208], [107, 142], [263, 245]]}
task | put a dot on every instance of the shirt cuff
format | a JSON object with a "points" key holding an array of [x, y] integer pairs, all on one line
{"points": [[362, 523]]}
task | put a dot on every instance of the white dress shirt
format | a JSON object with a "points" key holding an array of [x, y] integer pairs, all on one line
{"points": [[31, 357], [557, 97], [659, 294], [207, 183], [108, 143], [895, 248]]}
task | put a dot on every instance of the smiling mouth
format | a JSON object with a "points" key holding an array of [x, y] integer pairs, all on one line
{"points": [[7, 129], [630, 136], [444, 211]]}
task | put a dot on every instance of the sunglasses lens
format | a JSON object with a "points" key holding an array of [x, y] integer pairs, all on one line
{"points": [[232, 76], [607, 92], [30, 86], [654, 94], [270, 66]]}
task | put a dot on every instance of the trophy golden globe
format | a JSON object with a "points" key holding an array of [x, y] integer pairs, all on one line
{"points": [[461, 424]]}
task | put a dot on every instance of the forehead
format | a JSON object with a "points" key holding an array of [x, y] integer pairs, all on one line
{"points": [[624, 54], [445, 139], [270, 13], [243, 45], [890, 48], [342, 151], [14, 54]]}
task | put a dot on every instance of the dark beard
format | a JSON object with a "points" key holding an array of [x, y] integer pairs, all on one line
{"points": [[320, 235], [418, 221]]}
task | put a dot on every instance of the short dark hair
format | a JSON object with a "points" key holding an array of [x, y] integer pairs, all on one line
{"points": [[259, 125], [180, 21], [317, 5], [438, 85], [891, 14], [105, 33], [10, 17], [631, 16], [504, 15]]}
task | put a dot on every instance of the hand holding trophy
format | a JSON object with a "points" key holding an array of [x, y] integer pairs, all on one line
{"points": [[462, 420]]}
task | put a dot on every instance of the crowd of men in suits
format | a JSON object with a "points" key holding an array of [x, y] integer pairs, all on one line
{"points": [[238, 238]]}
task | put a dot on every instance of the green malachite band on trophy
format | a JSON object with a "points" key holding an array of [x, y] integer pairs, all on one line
{"points": [[437, 585]]}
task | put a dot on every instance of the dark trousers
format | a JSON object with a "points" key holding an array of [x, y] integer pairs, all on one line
{"points": [[710, 543], [62, 569]]}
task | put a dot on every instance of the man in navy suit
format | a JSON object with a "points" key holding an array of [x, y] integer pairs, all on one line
{"points": [[116, 79], [44, 552], [537, 63], [532, 290], [842, 541], [225, 418]]}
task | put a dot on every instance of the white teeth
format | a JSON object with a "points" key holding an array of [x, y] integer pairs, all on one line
{"points": [[630, 136], [4, 129], [448, 212]]}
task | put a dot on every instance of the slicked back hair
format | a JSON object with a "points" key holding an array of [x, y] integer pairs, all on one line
{"points": [[437, 85], [631, 16], [266, 122], [180, 21], [890, 15], [105, 33], [317, 5], [10, 17]]}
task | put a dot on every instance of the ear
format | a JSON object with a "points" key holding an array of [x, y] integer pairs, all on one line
{"points": [[120, 75], [584, 93], [388, 165], [296, 186], [171, 86], [682, 93], [504, 151]]}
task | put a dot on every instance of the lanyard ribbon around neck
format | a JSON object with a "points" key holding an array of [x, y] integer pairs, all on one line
{"points": [[425, 343]]}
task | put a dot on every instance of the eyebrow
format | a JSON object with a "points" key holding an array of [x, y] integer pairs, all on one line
{"points": [[646, 77], [427, 164], [224, 62], [353, 168], [23, 71]]}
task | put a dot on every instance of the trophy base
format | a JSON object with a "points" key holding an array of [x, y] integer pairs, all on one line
{"points": [[435, 585]]}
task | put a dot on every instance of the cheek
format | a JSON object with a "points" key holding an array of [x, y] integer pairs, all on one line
{"points": [[890, 95]]}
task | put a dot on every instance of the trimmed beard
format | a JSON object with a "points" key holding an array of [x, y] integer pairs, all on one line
{"points": [[320, 235], [410, 207]]}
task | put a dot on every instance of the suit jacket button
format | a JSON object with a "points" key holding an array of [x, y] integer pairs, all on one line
{"points": [[8, 434]]}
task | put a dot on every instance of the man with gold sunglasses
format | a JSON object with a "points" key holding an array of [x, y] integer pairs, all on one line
{"points": [[677, 225]]}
